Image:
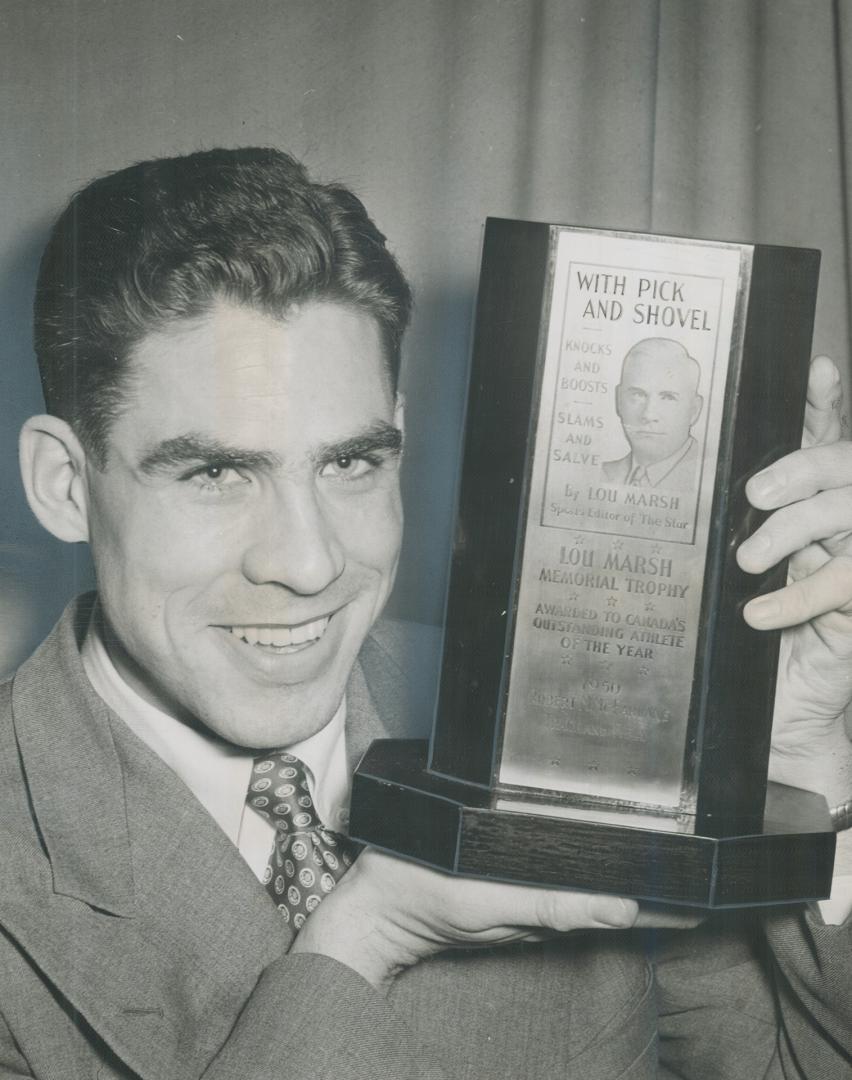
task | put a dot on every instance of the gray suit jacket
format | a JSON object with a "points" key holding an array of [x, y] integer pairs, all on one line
{"points": [[681, 477], [135, 942], [756, 996]]}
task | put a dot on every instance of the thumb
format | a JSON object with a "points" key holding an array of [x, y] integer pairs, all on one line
{"points": [[563, 909]]}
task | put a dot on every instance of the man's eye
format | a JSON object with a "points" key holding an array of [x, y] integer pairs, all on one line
{"points": [[215, 477], [348, 467]]}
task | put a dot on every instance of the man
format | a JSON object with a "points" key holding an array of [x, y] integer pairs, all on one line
{"points": [[219, 339], [657, 401], [219, 342]]}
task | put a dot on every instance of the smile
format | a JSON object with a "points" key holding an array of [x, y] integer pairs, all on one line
{"points": [[281, 638]]}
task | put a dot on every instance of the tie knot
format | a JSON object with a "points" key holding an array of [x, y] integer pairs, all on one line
{"points": [[279, 791]]}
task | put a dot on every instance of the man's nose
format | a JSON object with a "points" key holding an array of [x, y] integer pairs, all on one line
{"points": [[293, 543]]}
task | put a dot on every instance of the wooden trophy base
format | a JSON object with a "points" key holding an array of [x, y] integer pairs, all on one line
{"points": [[398, 805]]}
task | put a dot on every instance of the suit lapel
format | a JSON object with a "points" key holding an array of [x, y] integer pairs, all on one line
{"points": [[72, 771], [153, 927]]}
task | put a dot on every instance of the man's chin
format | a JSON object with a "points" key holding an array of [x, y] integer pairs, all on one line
{"points": [[263, 725], [648, 448], [262, 707]]}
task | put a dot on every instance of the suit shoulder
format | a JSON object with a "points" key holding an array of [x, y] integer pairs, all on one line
{"points": [[7, 736], [402, 642], [6, 697], [614, 470], [401, 661]]}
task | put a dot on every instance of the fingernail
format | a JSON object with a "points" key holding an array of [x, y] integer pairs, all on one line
{"points": [[619, 913], [765, 485], [763, 608], [758, 544], [824, 365]]}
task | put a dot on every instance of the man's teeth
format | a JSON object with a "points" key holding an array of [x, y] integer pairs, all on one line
{"points": [[282, 637]]}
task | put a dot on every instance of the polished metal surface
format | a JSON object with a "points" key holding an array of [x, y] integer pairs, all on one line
{"points": [[611, 564]]}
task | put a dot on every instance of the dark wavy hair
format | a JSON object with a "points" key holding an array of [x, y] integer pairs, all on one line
{"points": [[163, 240]]}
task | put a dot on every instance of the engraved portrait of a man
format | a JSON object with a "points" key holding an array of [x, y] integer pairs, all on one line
{"points": [[658, 403]]}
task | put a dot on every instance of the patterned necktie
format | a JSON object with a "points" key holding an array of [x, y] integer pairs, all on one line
{"points": [[308, 859]]}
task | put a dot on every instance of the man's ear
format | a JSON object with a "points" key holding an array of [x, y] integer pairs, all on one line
{"points": [[697, 405], [53, 470]]}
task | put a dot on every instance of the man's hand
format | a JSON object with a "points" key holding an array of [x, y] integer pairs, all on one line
{"points": [[811, 494], [387, 914]]}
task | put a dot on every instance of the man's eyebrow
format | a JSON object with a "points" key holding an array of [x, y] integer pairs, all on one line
{"points": [[374, 439], [183, 450], [186, 449]]}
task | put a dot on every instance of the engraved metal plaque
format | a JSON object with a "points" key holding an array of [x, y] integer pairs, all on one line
{"points": [[638, 342], [601, 698]]}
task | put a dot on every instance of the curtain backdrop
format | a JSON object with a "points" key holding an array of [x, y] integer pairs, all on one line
{"points": [[722, 118]]}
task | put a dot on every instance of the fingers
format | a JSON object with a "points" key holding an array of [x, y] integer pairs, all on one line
{"points": [[796, 481], [800, 475], [663, 917], [473, 908], [459, 909], [828, 588], [822, 411], [388, 914], [563, 910], [806, 561], [810, 491], [826, 516]]}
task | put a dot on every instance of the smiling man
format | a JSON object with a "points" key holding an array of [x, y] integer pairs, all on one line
{"points": [[658, 403], [219, 343]]}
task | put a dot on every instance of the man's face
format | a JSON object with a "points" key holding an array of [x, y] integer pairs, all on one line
{"points": [[246, 529], [658, 404]]}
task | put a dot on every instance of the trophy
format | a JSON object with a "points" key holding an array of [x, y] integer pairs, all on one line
{"points": [[604, 711]]}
